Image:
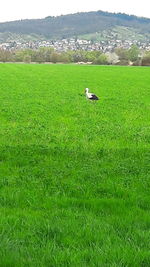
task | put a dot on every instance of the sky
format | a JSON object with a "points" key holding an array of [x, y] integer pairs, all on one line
{"points": [[26, 9]]}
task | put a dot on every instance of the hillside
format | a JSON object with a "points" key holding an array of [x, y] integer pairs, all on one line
{"points": [[78, 24], [117, 33]]}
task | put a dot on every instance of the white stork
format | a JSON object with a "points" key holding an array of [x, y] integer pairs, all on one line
{"points": [[90, 96]]}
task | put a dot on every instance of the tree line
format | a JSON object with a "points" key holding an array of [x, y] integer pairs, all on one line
{"points": [[119, 56]]}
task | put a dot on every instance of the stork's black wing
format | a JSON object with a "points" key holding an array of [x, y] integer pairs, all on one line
{"points": [[94, 97]]}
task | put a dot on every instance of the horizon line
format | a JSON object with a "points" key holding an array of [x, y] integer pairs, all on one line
{"points": [[55, 16]]}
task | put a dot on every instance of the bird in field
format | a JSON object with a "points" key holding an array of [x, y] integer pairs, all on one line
{"points": [[90, 96]]}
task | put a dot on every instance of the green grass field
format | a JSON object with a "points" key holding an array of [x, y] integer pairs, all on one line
{"points": [[74, 175]]}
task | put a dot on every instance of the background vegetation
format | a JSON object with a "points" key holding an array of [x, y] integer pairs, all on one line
{"points": [[46, 55]]}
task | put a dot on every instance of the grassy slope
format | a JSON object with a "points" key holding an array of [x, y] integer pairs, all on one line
{"points": [[74, 180], [123, 33]]}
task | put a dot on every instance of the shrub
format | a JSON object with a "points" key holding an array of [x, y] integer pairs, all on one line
{"points": [[101, 60], [27, 59], [146, 59], [123, 62]]}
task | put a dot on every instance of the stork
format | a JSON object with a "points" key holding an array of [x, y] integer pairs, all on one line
{"points": [[90, 96]]}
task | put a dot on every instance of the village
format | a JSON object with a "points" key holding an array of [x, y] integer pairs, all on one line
{"points": [[75, 44]]}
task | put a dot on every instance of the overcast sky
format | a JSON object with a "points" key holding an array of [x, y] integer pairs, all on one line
{"points": [[23, 9]]}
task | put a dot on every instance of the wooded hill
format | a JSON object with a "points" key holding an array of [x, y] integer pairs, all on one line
{"points": [[72, 25]]}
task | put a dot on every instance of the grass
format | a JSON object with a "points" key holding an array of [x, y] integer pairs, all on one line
{"points": [[74, 175]]}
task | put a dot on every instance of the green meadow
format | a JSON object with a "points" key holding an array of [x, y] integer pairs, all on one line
{"points": [[74, 175]]}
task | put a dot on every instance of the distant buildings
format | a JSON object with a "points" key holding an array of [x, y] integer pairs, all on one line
{"points": [[76, 44]]}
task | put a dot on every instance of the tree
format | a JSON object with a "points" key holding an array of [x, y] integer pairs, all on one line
{"points": [[112, 58], [54, 57], [78, 56], [5, 55], [92, 55], [122, 53], [133, 53], [101, 60], [64, 57], [27, 59], [24, 55], [45, 53], [123, 56], [38, 56], [146, 59]]}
